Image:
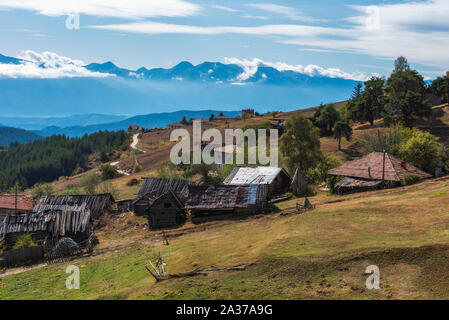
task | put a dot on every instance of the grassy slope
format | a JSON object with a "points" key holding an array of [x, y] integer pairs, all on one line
{"points": [[320, 254]]}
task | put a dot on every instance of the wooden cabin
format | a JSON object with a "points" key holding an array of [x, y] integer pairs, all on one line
{"points": [[153, 188], [277, 179], [11, 204], [221, 202], [166, 211]]}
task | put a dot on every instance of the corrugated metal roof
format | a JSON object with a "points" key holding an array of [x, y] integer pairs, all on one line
{"points": [[250, 175]]}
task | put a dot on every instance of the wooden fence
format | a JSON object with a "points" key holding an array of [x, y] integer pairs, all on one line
{"points": [[20, 256]]}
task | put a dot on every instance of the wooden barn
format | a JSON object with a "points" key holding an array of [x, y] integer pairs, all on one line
{"points": [[277, 179], [221, 202], [74, 222], [153, 188], [373, 171], [166, 210], [97, 204], [56, 216]]}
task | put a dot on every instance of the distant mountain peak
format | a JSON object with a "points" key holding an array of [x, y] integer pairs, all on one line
{"points": [[9, 60]]}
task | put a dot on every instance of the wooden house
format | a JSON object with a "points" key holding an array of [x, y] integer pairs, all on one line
{"points": [[135, 129], [373, 171], [11, 204], [166, 210], [174, 125], [221, 202], [277, 179], [153, 188]]}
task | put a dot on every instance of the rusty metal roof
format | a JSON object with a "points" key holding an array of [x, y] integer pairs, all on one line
{"points": [[371, 167]]}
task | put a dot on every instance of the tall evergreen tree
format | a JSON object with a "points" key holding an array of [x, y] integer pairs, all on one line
{"points": [[405, 95]]}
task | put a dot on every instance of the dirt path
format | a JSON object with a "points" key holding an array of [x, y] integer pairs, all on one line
{"points": [[12, 271], [135, 142]]}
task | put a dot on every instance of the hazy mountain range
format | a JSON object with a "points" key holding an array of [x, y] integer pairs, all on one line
{"points": [[209, 85], [35, 128]]}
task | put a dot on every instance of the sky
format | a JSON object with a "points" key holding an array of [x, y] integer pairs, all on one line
{"points": [[348, 38]]}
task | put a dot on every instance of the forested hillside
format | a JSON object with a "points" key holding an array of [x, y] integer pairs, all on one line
{"points": [[50, 158], [8, 135]]}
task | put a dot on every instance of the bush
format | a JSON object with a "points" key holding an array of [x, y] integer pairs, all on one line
{"points": [[137, 168], [108, 187], [410, 179], [319, 173], [423, 150], [132, 182], [41, 189], [24, 241], [90, 183], [109, 172], [70, 190], [331, 181]]}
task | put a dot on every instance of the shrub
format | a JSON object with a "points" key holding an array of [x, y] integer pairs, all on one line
{"points": [[90, 183], [108, 187], [135, 152], [410, 179], [77, 171], [24, 241], [41, 189], [137, 168], [109, 172], [319, 173], [132, 182], [331, 181]]}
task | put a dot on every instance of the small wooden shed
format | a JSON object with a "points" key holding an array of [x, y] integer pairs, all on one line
{"points": [[166, 210], [299, 183], [153, 188]]}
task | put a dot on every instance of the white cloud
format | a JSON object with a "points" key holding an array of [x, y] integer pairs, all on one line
{"points": [[46, 65], [287, 12], [248, 16], [278, 29], [417, 30], [224, 8], [132, 9], [250, 68]]}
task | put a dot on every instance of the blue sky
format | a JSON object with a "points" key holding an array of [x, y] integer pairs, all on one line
{"points": [[351, 36]]}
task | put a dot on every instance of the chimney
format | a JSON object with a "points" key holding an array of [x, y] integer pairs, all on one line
{"points": [[447, 74]]}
